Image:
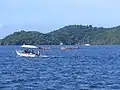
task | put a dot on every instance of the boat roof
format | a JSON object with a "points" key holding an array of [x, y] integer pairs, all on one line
{"points": [[28, 46]]}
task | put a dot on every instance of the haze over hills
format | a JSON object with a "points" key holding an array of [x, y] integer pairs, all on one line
{"points": [[68, 35]]}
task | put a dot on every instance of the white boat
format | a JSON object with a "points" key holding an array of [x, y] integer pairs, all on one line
{"points": [[28, 53], [61, 43], [87, 44]]}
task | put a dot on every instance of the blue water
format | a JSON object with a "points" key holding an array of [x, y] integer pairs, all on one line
{"points": [[87, 68]]}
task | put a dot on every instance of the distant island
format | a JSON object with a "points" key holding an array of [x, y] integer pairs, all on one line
{"points": [[68, 35]]}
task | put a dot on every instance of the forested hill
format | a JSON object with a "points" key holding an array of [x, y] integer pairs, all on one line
{"points": [[69, 35]]}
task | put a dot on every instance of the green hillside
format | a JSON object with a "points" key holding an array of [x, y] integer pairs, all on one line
{"points": [[69, 35]]}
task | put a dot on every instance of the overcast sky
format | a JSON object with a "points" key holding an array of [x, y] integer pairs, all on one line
{"points": [[48, 15]]}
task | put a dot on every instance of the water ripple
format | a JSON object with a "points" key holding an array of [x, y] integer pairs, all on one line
{"points": [[89, 68]]}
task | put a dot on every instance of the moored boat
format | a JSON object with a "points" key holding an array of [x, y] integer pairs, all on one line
{"points": [[69, 48]]}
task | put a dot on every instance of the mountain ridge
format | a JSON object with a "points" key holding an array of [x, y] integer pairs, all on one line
{"points": [[68, 35]]}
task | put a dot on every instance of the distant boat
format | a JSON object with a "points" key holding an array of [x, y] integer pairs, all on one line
{"points": [[28, 51], [44, 48], [69, 48], [87, 44], [61, 43]]}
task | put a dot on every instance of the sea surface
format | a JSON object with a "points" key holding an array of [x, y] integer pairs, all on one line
{"points": [[86, 68]]}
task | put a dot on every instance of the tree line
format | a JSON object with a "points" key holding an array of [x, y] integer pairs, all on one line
{"points": [[68, 35]]}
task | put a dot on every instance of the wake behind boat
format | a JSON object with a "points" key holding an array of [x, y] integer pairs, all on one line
{"points": [[28, 51]]}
